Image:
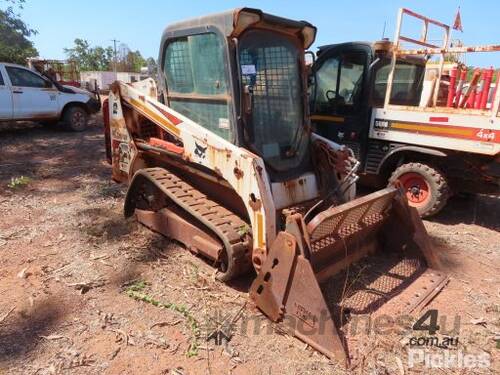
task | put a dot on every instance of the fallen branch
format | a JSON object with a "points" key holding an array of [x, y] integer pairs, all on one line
{"points": [[85, 286], [122, 333], [162, 324], [6, 315]]}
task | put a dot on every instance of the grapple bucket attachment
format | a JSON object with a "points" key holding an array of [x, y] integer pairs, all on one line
{"points": [[380, 228]]}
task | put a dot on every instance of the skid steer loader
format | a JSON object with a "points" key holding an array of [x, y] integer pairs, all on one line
{"points": [[225, 162]]}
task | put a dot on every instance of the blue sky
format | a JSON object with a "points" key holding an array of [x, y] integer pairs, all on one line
{"points": [[139, 24]]}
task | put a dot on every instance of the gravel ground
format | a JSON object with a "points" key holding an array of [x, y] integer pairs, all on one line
{"points": [[85, 291]]}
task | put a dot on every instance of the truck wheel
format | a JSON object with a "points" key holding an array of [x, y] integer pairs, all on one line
{"points": [[425, 186], [75, 118]]}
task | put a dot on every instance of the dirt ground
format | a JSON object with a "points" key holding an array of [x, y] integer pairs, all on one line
{"points": [[84, 291]]}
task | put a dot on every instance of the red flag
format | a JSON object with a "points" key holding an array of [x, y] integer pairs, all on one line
{"points": [[457, 25]]}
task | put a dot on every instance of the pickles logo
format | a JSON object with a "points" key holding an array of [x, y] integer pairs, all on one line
{"points": [[448, 359]]}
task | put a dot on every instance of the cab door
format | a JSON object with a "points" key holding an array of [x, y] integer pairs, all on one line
{"points": [[33, 96], [339, 103], [5, 99]]}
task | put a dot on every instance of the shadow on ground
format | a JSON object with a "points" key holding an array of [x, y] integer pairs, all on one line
{"points": [[22, 333], [480, 210], [43, 153]]}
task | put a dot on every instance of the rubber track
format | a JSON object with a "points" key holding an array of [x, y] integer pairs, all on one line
{"points": [[224, 223]]}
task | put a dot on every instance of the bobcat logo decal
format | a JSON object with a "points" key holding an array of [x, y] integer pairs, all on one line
{"points": [[200, 151]]}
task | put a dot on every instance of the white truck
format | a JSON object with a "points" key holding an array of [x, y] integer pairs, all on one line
{"points": [[406, 118], [26, 95]]}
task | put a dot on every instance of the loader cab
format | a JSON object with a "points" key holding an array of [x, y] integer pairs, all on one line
{"points": [[241, 74], [349, 80]]}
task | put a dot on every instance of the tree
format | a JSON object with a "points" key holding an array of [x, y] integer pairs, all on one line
{"points": [[15, 47], [88, 58], [152, 66], [129, 61], [99, 58], [135, 61]]}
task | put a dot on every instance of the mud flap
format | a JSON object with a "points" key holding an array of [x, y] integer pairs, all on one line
{"points": [[286, 290]]}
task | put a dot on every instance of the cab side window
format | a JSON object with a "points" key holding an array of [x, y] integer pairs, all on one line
{"points": [[1, 79], [196, 80], [25, 78], [326, 84], [406, 85], [339, 84]]}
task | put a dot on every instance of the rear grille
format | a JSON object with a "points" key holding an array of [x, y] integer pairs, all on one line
{"points": [[376, 152]]}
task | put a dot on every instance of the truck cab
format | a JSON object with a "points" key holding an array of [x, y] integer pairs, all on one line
{"points": [[350, 80], [406, 118], [26, 95]]}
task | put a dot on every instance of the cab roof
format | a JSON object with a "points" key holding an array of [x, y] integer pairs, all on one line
{"points": [[230, 24]]}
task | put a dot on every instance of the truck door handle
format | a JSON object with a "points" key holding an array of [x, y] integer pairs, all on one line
{"points": [[17, 92]]}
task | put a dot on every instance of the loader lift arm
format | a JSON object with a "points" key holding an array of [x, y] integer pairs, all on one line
{"points": [[281, 201]]}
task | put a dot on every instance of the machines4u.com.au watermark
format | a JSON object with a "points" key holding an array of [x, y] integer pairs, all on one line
{"points": [[433, 340]]}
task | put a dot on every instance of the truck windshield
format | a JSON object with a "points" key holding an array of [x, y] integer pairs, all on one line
{"points": [[271, 72]]}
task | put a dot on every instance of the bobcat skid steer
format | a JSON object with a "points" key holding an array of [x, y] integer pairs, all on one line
{"points": [[225, 162]]}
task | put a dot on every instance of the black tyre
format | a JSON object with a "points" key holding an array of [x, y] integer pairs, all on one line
{"points": [[426, 187], [75, 118]]}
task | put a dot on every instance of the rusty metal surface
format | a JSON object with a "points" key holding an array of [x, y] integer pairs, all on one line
{"points": [[338, 161], [423, 18], [345, 233], [300, 208], [372, 283], [437, 50], [383, 285], [352, 216], [286, 289], [271, 284], [415, 41], [172, 225], [309, 315], [379, 287], [206, 213], [227, 23], [428, 285]]}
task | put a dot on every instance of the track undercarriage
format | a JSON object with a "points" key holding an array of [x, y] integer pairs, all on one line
{"points": [[346, 262], [239, 178], [168, 205]]}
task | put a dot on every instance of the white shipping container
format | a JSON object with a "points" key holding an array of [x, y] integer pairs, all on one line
{"points": [[104, 79]]}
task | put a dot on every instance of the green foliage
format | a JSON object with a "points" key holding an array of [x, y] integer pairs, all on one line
{"points": [[100, 58], [15, 47], [136, 291], [133, 62], [17, 182], [89, 58], [244, 229]]}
